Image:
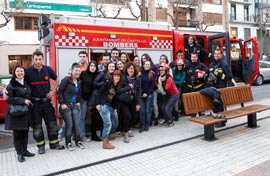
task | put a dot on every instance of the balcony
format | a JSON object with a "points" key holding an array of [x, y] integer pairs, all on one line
{"points": [[241, 18], [245, 2], [260, 5]]}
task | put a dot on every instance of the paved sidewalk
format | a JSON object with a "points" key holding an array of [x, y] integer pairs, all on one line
{"points": [[237, 150]]}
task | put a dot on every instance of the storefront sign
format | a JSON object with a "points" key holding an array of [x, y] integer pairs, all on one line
{"points": [[49, 6]]}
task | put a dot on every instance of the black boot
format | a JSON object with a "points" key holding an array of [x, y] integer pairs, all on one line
{"points": [[25, 151], [94, 136], [175, 116], [21, 158]]}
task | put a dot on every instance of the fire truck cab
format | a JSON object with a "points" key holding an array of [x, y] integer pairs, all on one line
{"points": [[241, 55]]}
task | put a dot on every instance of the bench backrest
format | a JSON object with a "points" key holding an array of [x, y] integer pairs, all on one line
{"points": [[196, 102]]}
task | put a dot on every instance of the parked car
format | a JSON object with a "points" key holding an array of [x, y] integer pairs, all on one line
{"points": [[264, 73], [4, 80]]}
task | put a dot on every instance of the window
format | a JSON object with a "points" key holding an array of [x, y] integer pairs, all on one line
{"points": [[246, 14], [212, 18], [26, 23], [247, 33], [233, 12], [23, 60]]}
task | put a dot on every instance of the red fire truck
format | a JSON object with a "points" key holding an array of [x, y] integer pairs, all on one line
{"points": [[69, 35]]}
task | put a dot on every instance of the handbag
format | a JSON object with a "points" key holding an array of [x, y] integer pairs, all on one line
{"points": [[125, 97], [18, 110]]}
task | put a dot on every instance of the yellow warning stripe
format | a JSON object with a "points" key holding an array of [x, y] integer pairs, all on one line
{"points": [[124, 33]]}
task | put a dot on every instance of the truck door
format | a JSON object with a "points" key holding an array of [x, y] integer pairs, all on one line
{"points": [[221, 40], [250, 66]]}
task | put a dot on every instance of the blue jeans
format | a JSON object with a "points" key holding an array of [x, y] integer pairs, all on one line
{"points": [[110, 120], [145, 115], [167, 107], [83, 110], [71, 118]]}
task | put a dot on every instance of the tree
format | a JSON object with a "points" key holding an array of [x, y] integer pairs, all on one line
{"points": [[6, 14], [102, 13], [177, 8], [262, 21], [142, 10], [202, 19]]}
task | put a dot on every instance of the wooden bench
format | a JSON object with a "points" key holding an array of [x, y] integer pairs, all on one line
{"points": [[197, 102]]}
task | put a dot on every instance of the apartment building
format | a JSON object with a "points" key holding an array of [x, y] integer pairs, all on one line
{"points": [[19, 38]]}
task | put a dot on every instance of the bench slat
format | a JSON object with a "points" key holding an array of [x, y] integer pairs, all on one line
{"points": [[238, 112], [230, 114], [206, 120]]}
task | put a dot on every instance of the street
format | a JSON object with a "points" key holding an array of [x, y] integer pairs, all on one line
{"points": [[6, 142]]}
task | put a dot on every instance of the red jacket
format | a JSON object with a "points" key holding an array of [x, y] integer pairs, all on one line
{"points": [[170, 86]]}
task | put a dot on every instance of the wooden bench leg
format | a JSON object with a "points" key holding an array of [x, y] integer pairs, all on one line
{"points": [[252, 120], [209, 132]]}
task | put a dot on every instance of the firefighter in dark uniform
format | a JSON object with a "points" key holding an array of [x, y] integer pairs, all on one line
{"points": [[195, 74], [222, 77], [195, 77], [193, 47], [220, 68], [39, 76]]}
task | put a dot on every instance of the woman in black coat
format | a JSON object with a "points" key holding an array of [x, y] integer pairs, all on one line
{"points": [[69, 94], [19, 94], [130, 84]]}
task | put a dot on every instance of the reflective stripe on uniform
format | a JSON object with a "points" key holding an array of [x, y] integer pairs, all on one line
{"points": [[195, 87], [54, 141], [223, 76], [41, 143]]}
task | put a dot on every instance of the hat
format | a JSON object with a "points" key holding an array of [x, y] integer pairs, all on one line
{"points": [[166, 66], [200, 74], [180, 62]]}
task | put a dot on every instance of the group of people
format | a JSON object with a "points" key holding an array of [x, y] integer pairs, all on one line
{"points": [[113, 96]]}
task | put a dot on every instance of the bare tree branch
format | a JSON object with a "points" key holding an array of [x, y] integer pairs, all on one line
{"points": [[132, 12], [7, 14], [117, 11], [101, 10]]}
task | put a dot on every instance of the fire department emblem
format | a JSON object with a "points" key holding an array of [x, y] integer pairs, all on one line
{"points": [[46, 78]]}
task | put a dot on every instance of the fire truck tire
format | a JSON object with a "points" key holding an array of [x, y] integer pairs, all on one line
{"points": [[259, 80]]}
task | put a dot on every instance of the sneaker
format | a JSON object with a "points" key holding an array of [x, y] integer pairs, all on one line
{"points": [[126, 140], [130, 134], [141, 130], [41, 149], [60, 137], [69, 147], [80, 145], [161, 121], [164, 123], [169, 124]]}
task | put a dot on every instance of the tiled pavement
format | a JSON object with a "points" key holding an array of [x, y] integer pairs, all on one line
{"points": [[237, 150]]}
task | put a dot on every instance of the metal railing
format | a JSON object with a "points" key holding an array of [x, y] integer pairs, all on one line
{"points": [[241, 18]]}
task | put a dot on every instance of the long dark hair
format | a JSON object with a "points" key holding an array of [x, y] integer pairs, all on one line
{"points": [[92, 62]]}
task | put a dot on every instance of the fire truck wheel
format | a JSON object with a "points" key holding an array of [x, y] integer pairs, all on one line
{"points": [[259, 80]]}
